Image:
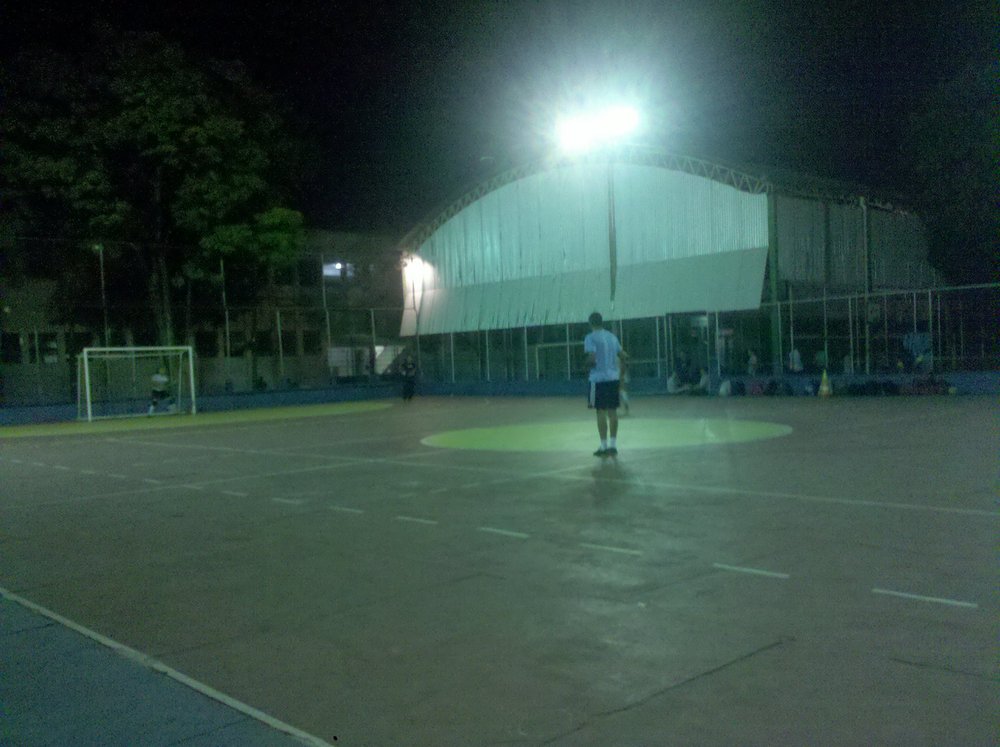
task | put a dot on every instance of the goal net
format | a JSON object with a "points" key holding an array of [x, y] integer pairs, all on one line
{"points": [[138, 381]]}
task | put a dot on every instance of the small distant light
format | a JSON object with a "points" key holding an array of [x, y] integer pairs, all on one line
{"points": [[338, 266]]}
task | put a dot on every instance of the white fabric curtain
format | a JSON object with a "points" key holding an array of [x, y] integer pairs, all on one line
{"points": [[536, 251]]}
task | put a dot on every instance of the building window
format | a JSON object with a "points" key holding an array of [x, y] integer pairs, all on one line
{"points": [[338, 270], [43, 344]]}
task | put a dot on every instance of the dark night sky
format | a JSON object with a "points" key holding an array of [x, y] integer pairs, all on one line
{"points": [[406, 100]]}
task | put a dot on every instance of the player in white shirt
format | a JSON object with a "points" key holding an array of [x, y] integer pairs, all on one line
{"points": [[604, 352]]}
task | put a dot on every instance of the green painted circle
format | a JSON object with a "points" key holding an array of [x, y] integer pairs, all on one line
{"points": [[654, 433]]}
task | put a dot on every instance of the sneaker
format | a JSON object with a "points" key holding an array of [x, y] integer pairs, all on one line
{"points": [[611, 451], [602, 452]]}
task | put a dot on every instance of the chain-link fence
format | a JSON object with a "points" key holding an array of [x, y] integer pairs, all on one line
{"points": [[247, 349], [283, 347], [931, 330]]}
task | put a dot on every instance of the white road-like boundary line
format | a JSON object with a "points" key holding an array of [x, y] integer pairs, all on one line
{"points": [[158, 666]]}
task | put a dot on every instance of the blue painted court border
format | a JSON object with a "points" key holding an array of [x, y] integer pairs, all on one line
{"points": [[59, 687], [968, 382]]}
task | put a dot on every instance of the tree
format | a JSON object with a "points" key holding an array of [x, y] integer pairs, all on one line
{"points": [[167, 161], [954, 147]]}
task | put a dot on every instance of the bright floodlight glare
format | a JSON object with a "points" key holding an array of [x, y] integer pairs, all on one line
{"points": [[583, 131]]}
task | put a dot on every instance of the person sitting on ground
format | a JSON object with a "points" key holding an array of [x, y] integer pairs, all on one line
{"points": [[674, 385], [704, 382]]}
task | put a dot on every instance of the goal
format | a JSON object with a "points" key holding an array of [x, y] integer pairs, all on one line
{"points": [[119, 382]]}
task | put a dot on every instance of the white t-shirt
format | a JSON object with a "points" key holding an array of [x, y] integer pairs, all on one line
{"points": [[605, 347]]}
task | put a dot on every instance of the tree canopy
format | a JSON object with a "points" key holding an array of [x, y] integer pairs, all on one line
{"points": [[167, 162]]}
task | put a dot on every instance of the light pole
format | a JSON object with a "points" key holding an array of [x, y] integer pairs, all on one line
{"points": [[600, 130]]}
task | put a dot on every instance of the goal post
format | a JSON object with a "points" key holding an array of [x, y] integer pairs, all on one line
{"points": [[119, 382]]}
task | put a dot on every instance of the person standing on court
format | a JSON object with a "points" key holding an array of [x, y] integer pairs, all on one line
{"points": [[408, 370], [603, 353]]}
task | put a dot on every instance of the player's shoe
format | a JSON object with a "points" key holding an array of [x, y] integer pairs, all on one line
{"points": [[602, 452], [611, 451]]}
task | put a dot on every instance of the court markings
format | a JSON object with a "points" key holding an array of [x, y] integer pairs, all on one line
{"points": [[218, 420], [922, 598], [753, 571], [156, 665], [565, 473], [631, 552]]}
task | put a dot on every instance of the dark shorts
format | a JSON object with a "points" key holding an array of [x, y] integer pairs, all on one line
{"points": [[603, 395]]}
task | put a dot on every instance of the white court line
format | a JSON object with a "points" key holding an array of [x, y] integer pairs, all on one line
{"points": [[191, 487], [59, 466], [469, 486], [346, 510], [289, 501], [754, 571], [415, 520], [152, 481], [117, 475], [88, 472], [38, 464], [504, 532], [235, 492], [609, 548], [15, 461], [440, 490], [158, 666], [723, 489], [921, 598], [562, 473]]}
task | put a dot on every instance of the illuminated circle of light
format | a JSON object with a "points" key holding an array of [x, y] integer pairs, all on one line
{"points": [[578, 436]]}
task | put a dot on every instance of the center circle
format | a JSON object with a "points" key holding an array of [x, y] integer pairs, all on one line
{"points": [[652, 433]]}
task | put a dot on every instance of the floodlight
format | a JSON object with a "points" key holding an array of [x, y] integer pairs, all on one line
{"points": [[582, 132]]}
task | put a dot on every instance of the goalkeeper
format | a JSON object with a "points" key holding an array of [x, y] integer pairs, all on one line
{"points": [[160, 385]]}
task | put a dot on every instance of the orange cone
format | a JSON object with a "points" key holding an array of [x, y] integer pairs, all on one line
{"points": [[824, 386]]}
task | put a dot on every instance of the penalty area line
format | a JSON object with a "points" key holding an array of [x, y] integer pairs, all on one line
{"points": [[158, 666]]}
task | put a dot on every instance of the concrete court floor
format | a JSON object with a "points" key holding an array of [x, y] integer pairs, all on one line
{"points": [[836, 585]]}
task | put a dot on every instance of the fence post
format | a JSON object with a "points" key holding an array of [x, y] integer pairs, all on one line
{"points": [[527, 375], [281, 351], [931, 337], [850, 330], [826, 341], [451, 339], [569, 363], [718, 358], [885, 330], [374, 356], [488, 355], [659, 367]]}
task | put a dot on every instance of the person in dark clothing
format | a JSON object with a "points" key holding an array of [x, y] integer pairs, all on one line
{"points": [[408, 369]]}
